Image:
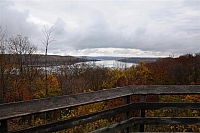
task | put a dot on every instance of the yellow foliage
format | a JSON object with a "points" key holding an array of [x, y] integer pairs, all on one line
{"points": [[86, 109], [53, 87]]}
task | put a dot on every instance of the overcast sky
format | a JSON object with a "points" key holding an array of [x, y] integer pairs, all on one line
{"points": [[109, 27]]}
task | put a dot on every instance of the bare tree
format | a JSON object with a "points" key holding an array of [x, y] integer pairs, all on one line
{"points": [[46, 40], [3, 64], [21, 50]]}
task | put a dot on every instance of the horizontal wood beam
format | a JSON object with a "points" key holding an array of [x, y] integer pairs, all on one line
{"points": [[165, 105], [76, 121], [79, 120], [165, 89], [148, 121], [167, 120], [18, 109]]}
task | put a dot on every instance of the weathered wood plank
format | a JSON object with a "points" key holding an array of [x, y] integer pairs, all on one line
{"points": [[165, 105], [168, 120], [126, 115], [155, 120], [75, 121], [18, 109], [9, 111], [165, 89], [12, 110], [142, 111], [79, 120]]}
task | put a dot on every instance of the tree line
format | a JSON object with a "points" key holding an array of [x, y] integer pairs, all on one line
{"points": [[184, 70], [22, 79]]}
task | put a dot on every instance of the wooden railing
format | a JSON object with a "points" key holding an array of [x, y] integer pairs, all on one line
{"points": [[21, 109]]}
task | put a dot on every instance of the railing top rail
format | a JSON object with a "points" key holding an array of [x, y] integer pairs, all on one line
{"points": [[12, 110], [165, 89]]}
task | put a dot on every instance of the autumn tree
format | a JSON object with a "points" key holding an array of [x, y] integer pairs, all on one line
{"points": [[181, 70], [195, 70], [65, 76], [22, 50], [46, 40], [4, 64], [131, 74], [112, 75], [53, 86]]}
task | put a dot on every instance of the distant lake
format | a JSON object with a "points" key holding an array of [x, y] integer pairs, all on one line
{"points": [[111, 63]]}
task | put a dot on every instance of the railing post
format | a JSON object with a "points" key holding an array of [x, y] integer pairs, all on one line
{"points": [[3, 126], [126, 100], [142, 111]]}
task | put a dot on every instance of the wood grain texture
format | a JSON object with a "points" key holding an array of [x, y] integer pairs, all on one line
{"points": [[18, 109], [12, 110], [155, 120]]}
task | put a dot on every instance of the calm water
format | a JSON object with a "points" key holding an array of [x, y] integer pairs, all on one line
{"points": [[111, 63]]}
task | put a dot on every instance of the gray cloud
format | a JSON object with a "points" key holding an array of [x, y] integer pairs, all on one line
{"points": [[168, 27], [15, 21]]}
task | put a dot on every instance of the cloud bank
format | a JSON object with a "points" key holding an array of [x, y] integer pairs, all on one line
{"points": [[128, 28]]}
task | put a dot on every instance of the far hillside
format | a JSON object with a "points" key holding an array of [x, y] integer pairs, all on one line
{"points": [[135, 60], [39, 59], [53, 60], [184, 69], [138, 59]]}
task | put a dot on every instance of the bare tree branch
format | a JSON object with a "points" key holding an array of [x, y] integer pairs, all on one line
{"points": [[48, 38]]}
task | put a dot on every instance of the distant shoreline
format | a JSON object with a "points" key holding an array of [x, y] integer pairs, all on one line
{"points": [[122, 59]]}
